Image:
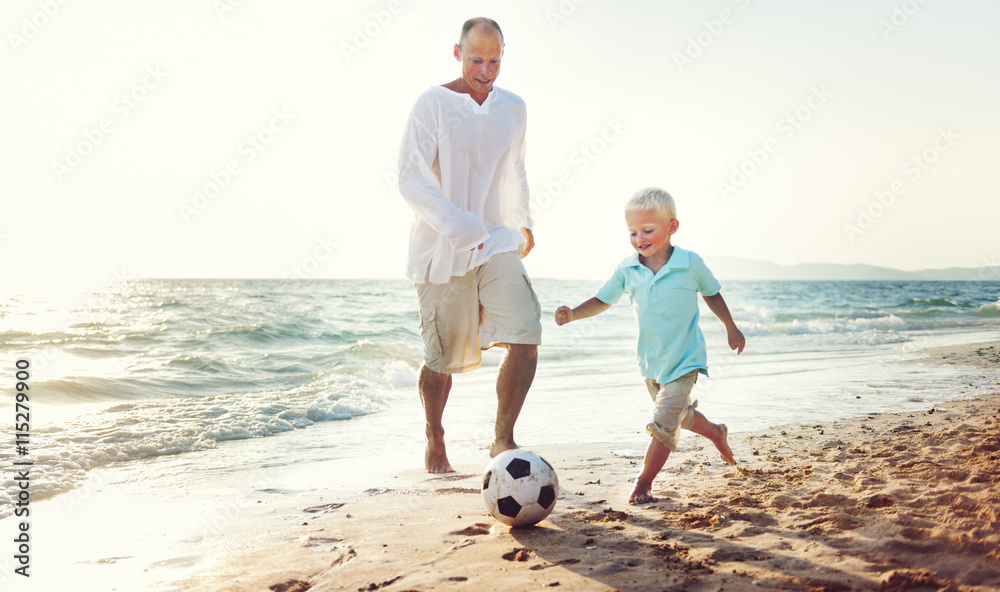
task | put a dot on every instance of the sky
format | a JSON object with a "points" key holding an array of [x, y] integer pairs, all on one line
{"points": [[259, 139]]}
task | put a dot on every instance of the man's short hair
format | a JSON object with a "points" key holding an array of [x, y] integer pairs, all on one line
{"points": [[653, 198], [474, 22]]}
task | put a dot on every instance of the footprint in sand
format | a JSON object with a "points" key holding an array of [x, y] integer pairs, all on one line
{"points": [[478, 528], [518, 554], [322, 509], [290, 586], [451, 490]]}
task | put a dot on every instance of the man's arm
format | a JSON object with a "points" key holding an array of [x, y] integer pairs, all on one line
{"points": [[421, 189], [525, 198], [718, 306]]}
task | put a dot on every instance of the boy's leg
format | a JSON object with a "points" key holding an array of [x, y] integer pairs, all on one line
{"points": [[434, 389], [672, 410], [656, 456], [513, 381], [716, 432]]}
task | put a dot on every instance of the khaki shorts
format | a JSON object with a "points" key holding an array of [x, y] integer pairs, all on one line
{"points": [[494, 304], [674, 409]]}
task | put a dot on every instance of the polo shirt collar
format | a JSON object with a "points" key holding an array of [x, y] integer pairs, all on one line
{"points": [[680, 259]]}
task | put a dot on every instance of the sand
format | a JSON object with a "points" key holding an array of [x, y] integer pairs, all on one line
{"points": [[888, 502]]}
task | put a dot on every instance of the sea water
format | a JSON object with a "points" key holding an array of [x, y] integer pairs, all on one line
{"points": [[166, 377]]}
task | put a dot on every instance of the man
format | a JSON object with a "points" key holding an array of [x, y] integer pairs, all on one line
{"points": [[461, 169]]}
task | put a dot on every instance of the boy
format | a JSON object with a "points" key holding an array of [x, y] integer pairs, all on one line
{"points": [[661, 281]]}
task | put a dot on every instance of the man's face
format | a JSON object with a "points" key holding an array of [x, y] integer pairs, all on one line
{"points": [[480, 59]]}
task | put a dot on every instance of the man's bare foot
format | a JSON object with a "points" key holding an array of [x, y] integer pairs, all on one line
{"points": [[497, 447], [642, 494], [436, 459], [723, 445]]}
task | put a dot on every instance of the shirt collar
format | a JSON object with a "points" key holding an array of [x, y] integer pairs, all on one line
{"points": [[679, 259]]}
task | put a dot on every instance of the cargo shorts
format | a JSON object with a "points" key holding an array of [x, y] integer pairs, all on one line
{"points": [[493, 304], [673, 408]]}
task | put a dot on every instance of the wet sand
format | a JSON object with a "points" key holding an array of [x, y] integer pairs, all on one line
{"points": [[884, 502]]}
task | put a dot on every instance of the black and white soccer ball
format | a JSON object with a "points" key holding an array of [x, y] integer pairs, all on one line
{"points": [[519, 487]]}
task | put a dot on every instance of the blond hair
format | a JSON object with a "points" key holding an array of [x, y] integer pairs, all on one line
{"points": [[653, 198]]}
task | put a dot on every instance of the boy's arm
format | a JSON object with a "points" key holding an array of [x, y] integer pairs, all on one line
{"points": [[591, 307], [718, 306]]}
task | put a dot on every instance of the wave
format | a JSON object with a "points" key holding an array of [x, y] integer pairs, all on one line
{"points": [[991, 309], [932, 314], [928, 302], [369, 377], [21, 338]]}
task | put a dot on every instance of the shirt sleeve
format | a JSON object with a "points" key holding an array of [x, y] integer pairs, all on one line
{"points": [[612, 289], [707, 284], [524, 210], [420, 185]]}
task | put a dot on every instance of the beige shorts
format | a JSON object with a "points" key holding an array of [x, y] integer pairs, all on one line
{"points": [[494, 304], [674, 409]]}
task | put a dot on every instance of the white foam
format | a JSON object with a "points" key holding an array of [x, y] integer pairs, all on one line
{"points": [[116, 432]]}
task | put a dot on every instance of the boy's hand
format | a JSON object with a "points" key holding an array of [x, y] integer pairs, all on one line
{"points": [[564, 314], [736, 339]]}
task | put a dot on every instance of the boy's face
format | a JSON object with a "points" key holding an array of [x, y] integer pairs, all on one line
{"points": [[649, 230]]}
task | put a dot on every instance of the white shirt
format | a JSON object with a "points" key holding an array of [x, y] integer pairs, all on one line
{"points": [[461, 169]]}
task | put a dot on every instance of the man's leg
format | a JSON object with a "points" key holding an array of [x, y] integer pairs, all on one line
{"points": [[513, 381], [449, 327], [434, 388]]}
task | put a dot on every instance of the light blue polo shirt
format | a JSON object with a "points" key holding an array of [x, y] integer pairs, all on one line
{"points": [[666, 309]]}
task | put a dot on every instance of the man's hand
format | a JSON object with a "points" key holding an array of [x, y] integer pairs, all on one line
{"points": [[529, 242]]}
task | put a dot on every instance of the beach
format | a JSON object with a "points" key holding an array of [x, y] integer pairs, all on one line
{"points": [[250, 434], [907, 501]]}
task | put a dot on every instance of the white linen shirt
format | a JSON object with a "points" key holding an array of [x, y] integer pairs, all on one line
{"points": [[461, 169]]}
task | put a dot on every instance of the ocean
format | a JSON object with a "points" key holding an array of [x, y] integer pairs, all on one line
{"points": [[198, 380]]}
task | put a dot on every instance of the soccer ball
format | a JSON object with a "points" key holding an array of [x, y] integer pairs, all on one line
{"points": [[519, 487]]}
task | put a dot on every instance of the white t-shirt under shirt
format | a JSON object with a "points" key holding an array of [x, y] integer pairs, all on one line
{"points": [[461, 169]]}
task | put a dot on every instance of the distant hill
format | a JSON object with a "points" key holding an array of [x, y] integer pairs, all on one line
{"points": [[738, 268]]}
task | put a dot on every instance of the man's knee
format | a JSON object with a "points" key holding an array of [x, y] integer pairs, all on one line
{"points": [[432, 377], [523, 350]]}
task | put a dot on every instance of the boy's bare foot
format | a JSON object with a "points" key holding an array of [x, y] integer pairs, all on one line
{"points": [[497, 447], [436, 459], [642, 494], [723, 445]]}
